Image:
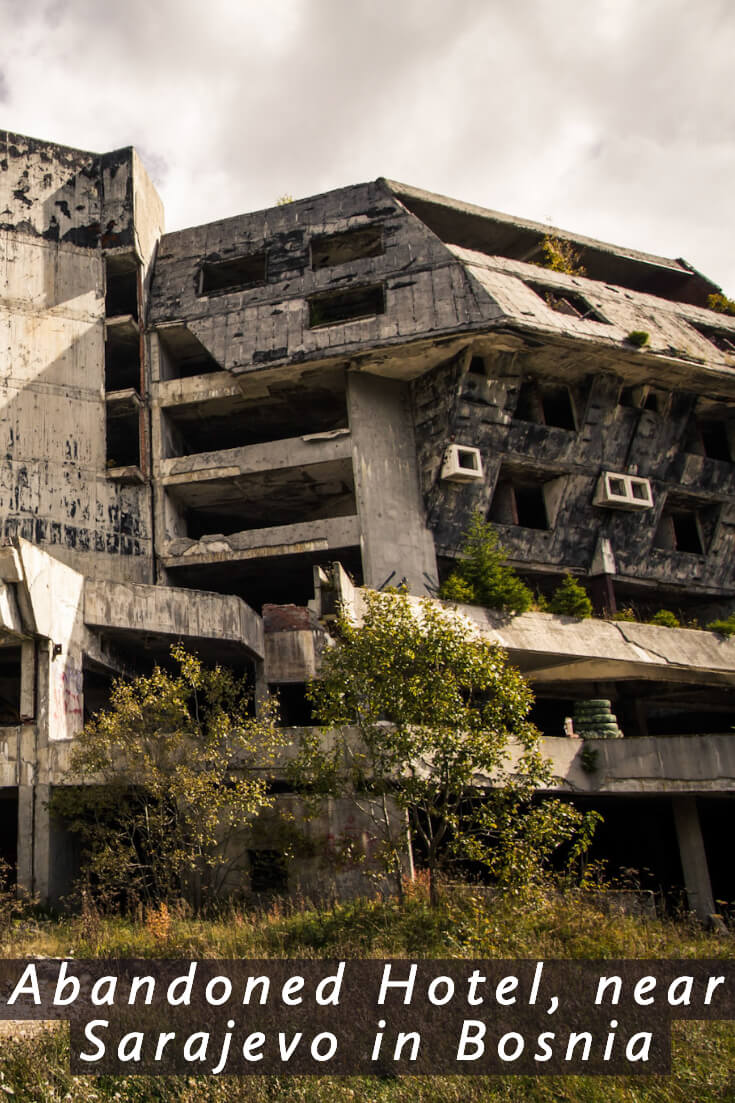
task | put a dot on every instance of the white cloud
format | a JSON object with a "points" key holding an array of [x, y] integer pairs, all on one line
{"points": [[613, 117]]}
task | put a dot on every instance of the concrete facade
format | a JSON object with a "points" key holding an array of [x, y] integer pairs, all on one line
{"points": [[215, 434]]}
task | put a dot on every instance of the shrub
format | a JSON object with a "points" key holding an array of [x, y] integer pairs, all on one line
{"points": [[638, 337], [560, 256], [721, 304], [666, 619], [570, 600], [481, 576], [725, 627], [626, 614], [162, 802]]}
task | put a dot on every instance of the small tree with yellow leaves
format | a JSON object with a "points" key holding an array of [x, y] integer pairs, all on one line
{"points": [[164, 781]]}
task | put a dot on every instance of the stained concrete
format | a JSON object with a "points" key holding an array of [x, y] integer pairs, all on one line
{"points": [[234, 404]]}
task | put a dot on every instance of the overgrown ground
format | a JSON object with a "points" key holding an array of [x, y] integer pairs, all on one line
{"points": [[464, 925]]}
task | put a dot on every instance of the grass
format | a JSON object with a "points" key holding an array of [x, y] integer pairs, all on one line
{"points": [[466, 924]]}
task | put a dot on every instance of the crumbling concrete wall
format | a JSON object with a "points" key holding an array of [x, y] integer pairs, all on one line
{"points": [[63, 211]]}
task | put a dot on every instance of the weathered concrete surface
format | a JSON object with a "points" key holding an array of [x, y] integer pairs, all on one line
{"points": [[553, 649], [693, 857], [294, 641], [494, 233], [666, 323], [337, 532], [175, 613], [256, 458], [396, 544], [696, 764], [320, 394], [63, 212]]}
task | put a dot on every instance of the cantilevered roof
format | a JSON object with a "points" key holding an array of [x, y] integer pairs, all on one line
{"points": [[497, 234]]}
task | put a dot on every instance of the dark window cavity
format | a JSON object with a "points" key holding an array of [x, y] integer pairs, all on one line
{"points": [[519, 503], [568, 302], [545, 405], [232, 275], [268, 871], [334, 249], [346, 306]]}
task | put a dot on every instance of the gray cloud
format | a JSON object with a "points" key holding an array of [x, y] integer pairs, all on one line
{"points": [[615, 118]]}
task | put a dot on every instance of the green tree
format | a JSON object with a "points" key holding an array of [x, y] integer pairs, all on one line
{"points": [[570, 599], [419, 714], [163, 781], [481, 576]]}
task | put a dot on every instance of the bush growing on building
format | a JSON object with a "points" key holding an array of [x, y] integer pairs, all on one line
{"points": [[482, 577], [666, 619], [415, 707], [627, 613], [155, 801], [639, 338], [570, 599], [561, 256], [721, 304], [724, 626]]}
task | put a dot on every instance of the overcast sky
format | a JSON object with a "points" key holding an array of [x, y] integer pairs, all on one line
{"points": [[613, 118]]}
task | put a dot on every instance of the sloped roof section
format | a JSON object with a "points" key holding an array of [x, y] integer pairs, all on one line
{"points": [[498, 234]]}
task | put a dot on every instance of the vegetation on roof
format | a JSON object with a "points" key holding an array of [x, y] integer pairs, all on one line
{"points": [[560, 256]]}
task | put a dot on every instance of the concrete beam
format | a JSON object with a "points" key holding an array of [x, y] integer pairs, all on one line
{"points": [[178, 613], [554, 649], [682, 764], [306, 536], [254, 458]]}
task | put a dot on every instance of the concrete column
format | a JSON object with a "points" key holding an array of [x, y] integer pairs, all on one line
{"points": [[25, 839], [396, 545], [693, 856], [54, 853]]}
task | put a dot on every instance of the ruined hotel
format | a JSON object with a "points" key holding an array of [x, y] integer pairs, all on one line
{"points": [[214, 435]]}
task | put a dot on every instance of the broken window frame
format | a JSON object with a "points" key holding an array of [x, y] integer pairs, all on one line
{"points": [[563, 300]]}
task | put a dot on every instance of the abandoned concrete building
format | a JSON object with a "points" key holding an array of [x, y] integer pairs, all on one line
{"points": [[214, 434]]}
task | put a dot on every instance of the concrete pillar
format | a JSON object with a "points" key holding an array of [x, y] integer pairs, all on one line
{"points": [[24, 873], [55, 864], [693, 856], [396, 544]]}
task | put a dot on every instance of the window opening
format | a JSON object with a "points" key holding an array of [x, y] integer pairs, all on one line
{"points": [[351, 245], [680, 530], [568, 302], [545, 405], [121, 286], [10, 660], [294, 708], [122, 359], [232, 275], [268, 871], [182, 355], [715, 440], [519, 504], [346, 306], [123, 438]]}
